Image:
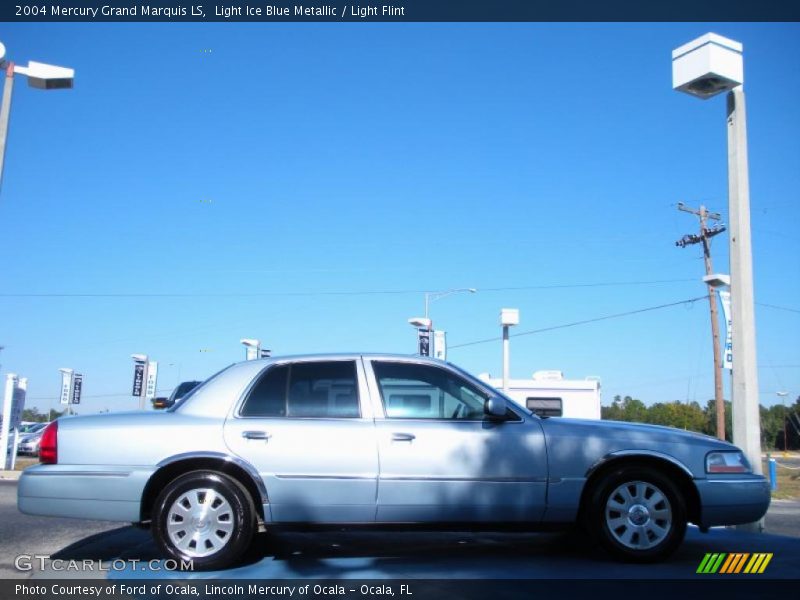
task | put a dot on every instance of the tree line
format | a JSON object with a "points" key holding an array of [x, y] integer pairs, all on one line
{"points": [[692, 417]]}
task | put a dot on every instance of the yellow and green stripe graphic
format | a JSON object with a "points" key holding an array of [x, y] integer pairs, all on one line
{"points": [[734, 563]]}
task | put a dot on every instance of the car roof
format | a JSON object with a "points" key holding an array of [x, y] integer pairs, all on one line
{"points": [[350, 355]]}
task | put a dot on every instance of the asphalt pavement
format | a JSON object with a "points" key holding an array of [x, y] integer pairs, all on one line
{"points": [[379, 555]]}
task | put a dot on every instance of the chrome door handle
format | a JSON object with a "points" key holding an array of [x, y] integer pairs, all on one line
{"points": [[403, 437], [256, 435]]}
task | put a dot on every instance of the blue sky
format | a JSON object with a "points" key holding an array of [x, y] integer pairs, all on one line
{"points": [[296, 160]]}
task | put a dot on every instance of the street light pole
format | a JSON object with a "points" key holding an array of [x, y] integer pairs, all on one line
{"points": [[5, 111], [746, 428], [40, 75], [431, 297], [508, 318], [703, 68], [424, 325]]}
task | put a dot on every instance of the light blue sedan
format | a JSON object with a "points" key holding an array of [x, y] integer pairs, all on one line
{"points": [[376, 440]]}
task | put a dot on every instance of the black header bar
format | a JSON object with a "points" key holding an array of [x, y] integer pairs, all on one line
{"points": [[395, 11]]}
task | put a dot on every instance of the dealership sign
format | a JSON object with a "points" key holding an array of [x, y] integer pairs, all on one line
{"points": [[138, 378], [77, 384], [727, 351], [424, 342], [440, 345], [66, 385], [152, 376]]}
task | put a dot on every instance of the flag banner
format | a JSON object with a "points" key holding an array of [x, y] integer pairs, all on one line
{"points": [[727, 349], [77, 384], [440, 345], [138, 379], [152, 378], [424, 342], [66, 386], [18, 402]]}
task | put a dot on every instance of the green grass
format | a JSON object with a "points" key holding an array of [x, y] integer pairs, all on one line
{"points": [[788, 481]]}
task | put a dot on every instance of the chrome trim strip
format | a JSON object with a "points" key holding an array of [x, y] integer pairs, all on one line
{"points": [[478, 479], [651, 453], [358, 477], [249, 469], [79, 473]]}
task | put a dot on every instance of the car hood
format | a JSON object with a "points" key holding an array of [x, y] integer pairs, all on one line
{"points": [[575, 446], [627, 430]]}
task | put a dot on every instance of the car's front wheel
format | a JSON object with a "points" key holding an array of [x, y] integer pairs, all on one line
{"points": [[638, 514], [205, 517]]}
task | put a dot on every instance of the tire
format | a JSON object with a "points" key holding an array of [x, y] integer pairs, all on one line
{"points": [[637, 514], [183, 530]]}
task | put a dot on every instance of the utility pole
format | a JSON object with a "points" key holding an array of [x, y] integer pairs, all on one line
{"points": [[704, 238]]}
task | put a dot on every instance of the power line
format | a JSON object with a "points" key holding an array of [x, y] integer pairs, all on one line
{"points": [[583, 322], [794, 310], [582, 285], [331, 293]]}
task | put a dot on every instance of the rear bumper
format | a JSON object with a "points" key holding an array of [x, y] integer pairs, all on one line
{"points": [[83, 491], [743, 499]]}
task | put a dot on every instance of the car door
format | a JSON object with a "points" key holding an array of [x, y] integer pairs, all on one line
{"points": [[442, 458], [303, 426]]}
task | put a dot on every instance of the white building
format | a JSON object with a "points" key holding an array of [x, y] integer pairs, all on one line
{"points": [[548, 394]]}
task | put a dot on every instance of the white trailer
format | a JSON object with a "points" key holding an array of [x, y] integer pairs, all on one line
{"points": [[548, 394]]}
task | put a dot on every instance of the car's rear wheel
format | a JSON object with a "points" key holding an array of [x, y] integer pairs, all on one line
{"points": [[637, 514], [205, 517]]}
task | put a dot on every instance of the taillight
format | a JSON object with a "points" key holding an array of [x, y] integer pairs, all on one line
{"points": [[48, 447]]}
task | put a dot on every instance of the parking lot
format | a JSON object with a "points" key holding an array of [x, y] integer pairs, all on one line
{"points": [[382, 555]]}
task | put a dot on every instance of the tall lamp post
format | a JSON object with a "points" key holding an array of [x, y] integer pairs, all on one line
{"points": [[424, 324], [252, 348], [431, 297], [40, 75], [508, 318], [703, 68]]}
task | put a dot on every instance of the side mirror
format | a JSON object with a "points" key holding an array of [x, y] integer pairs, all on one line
{"points": [[495, 407]]}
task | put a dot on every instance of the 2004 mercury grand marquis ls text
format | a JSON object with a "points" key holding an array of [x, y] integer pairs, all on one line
{"points": [[380, 439]]}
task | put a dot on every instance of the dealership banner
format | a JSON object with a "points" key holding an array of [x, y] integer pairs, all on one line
{"points": [[440, 344], [66, 385], [77, 384], [424, 342], [138, 378], [18, 402], [152, 377], [727, 350]]}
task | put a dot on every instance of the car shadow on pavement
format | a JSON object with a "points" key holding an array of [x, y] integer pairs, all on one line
{"points": [[351, 554], [124, 543]]}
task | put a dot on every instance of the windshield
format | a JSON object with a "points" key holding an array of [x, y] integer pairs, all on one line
{"points": [[483, 385], [194, 390], [32, 428], [183, 389]]}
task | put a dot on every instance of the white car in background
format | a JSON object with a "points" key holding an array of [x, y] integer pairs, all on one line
{"points": [[30, 438]]}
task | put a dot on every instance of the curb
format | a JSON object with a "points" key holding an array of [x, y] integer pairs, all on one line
{"points": [[10, 475]]}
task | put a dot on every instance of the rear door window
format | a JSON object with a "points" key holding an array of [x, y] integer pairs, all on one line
{"points": [[306, 390]]}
